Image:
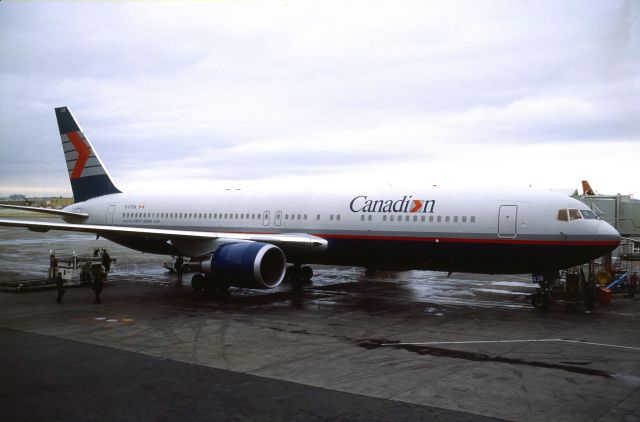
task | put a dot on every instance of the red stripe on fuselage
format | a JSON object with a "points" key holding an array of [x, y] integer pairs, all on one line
{"points": [[467, 240], [83, 154]]}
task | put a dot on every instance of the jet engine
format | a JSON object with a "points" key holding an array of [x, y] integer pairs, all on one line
{"points": [[254, 265]]}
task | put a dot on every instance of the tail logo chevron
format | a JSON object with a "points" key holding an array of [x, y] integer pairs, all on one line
{"points": [[83, 154]]}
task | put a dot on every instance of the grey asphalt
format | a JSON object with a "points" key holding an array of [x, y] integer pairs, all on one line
{"points": [[354, 345], [52, 379]]}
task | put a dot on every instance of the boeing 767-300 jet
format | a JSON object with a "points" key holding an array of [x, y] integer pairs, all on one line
{"points": [[240, 238]]}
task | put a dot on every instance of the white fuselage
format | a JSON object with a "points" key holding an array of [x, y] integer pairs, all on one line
{"points": [[454, 230]]}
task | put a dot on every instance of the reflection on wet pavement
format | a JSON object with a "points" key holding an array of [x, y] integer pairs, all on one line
{"points": [[25, 255]]}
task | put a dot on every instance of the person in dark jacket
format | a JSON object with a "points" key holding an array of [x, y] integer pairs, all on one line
{"points": [[60, 287], [179, 267], [589, 295], [97, 286], [106, 261]]}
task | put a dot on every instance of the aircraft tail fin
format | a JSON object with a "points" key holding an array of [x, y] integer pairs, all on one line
{"points": [[586, 188], [89, 178]]}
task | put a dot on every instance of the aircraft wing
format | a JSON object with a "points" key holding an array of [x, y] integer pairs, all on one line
{"points": [[294, 240], [60, 213]]}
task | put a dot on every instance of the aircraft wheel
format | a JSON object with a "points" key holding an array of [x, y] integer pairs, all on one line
{"points": [[198, 282], [306, 273], [293, 273], [540, 301]]}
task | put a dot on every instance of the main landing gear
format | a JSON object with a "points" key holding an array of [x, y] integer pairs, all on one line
{"points": [[204, 285], [299, 274]]}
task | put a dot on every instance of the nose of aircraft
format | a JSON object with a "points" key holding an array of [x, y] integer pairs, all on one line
{"points": [[607, 232]]}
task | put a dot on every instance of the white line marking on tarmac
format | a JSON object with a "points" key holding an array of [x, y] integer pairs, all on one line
{"points": [[547, 340]]}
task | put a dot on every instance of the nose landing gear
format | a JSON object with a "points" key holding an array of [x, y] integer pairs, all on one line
{"points": [[542, 298]]}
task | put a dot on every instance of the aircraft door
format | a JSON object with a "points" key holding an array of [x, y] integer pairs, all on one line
{"points": [[507, 219], [278, 218], [265, 218], [110, 212]]}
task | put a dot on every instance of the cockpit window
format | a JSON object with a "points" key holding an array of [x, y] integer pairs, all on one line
{"points": [[588, 214], [574, 214], [562, 215]]}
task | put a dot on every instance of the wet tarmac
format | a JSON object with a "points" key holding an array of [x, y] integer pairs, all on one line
{"points": [[355, 345]]}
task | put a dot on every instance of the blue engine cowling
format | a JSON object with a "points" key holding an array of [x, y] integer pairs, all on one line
{"points": [[247, 264]]}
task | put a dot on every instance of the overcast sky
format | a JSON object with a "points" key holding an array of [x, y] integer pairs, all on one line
{"points": [[317, 95]]}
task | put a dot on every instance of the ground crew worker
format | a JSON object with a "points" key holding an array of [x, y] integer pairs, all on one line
{"points": [[178, 266], [97, 286], [589, 295], [53, 264], [106, 261], [60, 287]]}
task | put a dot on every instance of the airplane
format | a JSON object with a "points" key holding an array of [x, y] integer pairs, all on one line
{"points": [[255, 239], [586, 189]]}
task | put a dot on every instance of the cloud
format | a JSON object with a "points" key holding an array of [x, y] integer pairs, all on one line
{"points": [[274, 92]]}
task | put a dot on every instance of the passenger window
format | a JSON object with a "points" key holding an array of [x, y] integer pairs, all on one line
{"points": [[446, 219], [338, 217], [455, 219], [391, 218], [473, 219], [439, 218], [563, 216], [384, 218], [318, 217], [369, 218], [415, 218], [430, 219], [362, 217], [464, 218]]}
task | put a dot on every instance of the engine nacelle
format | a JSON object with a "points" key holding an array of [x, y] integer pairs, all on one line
{"points": [[247, 264]]}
